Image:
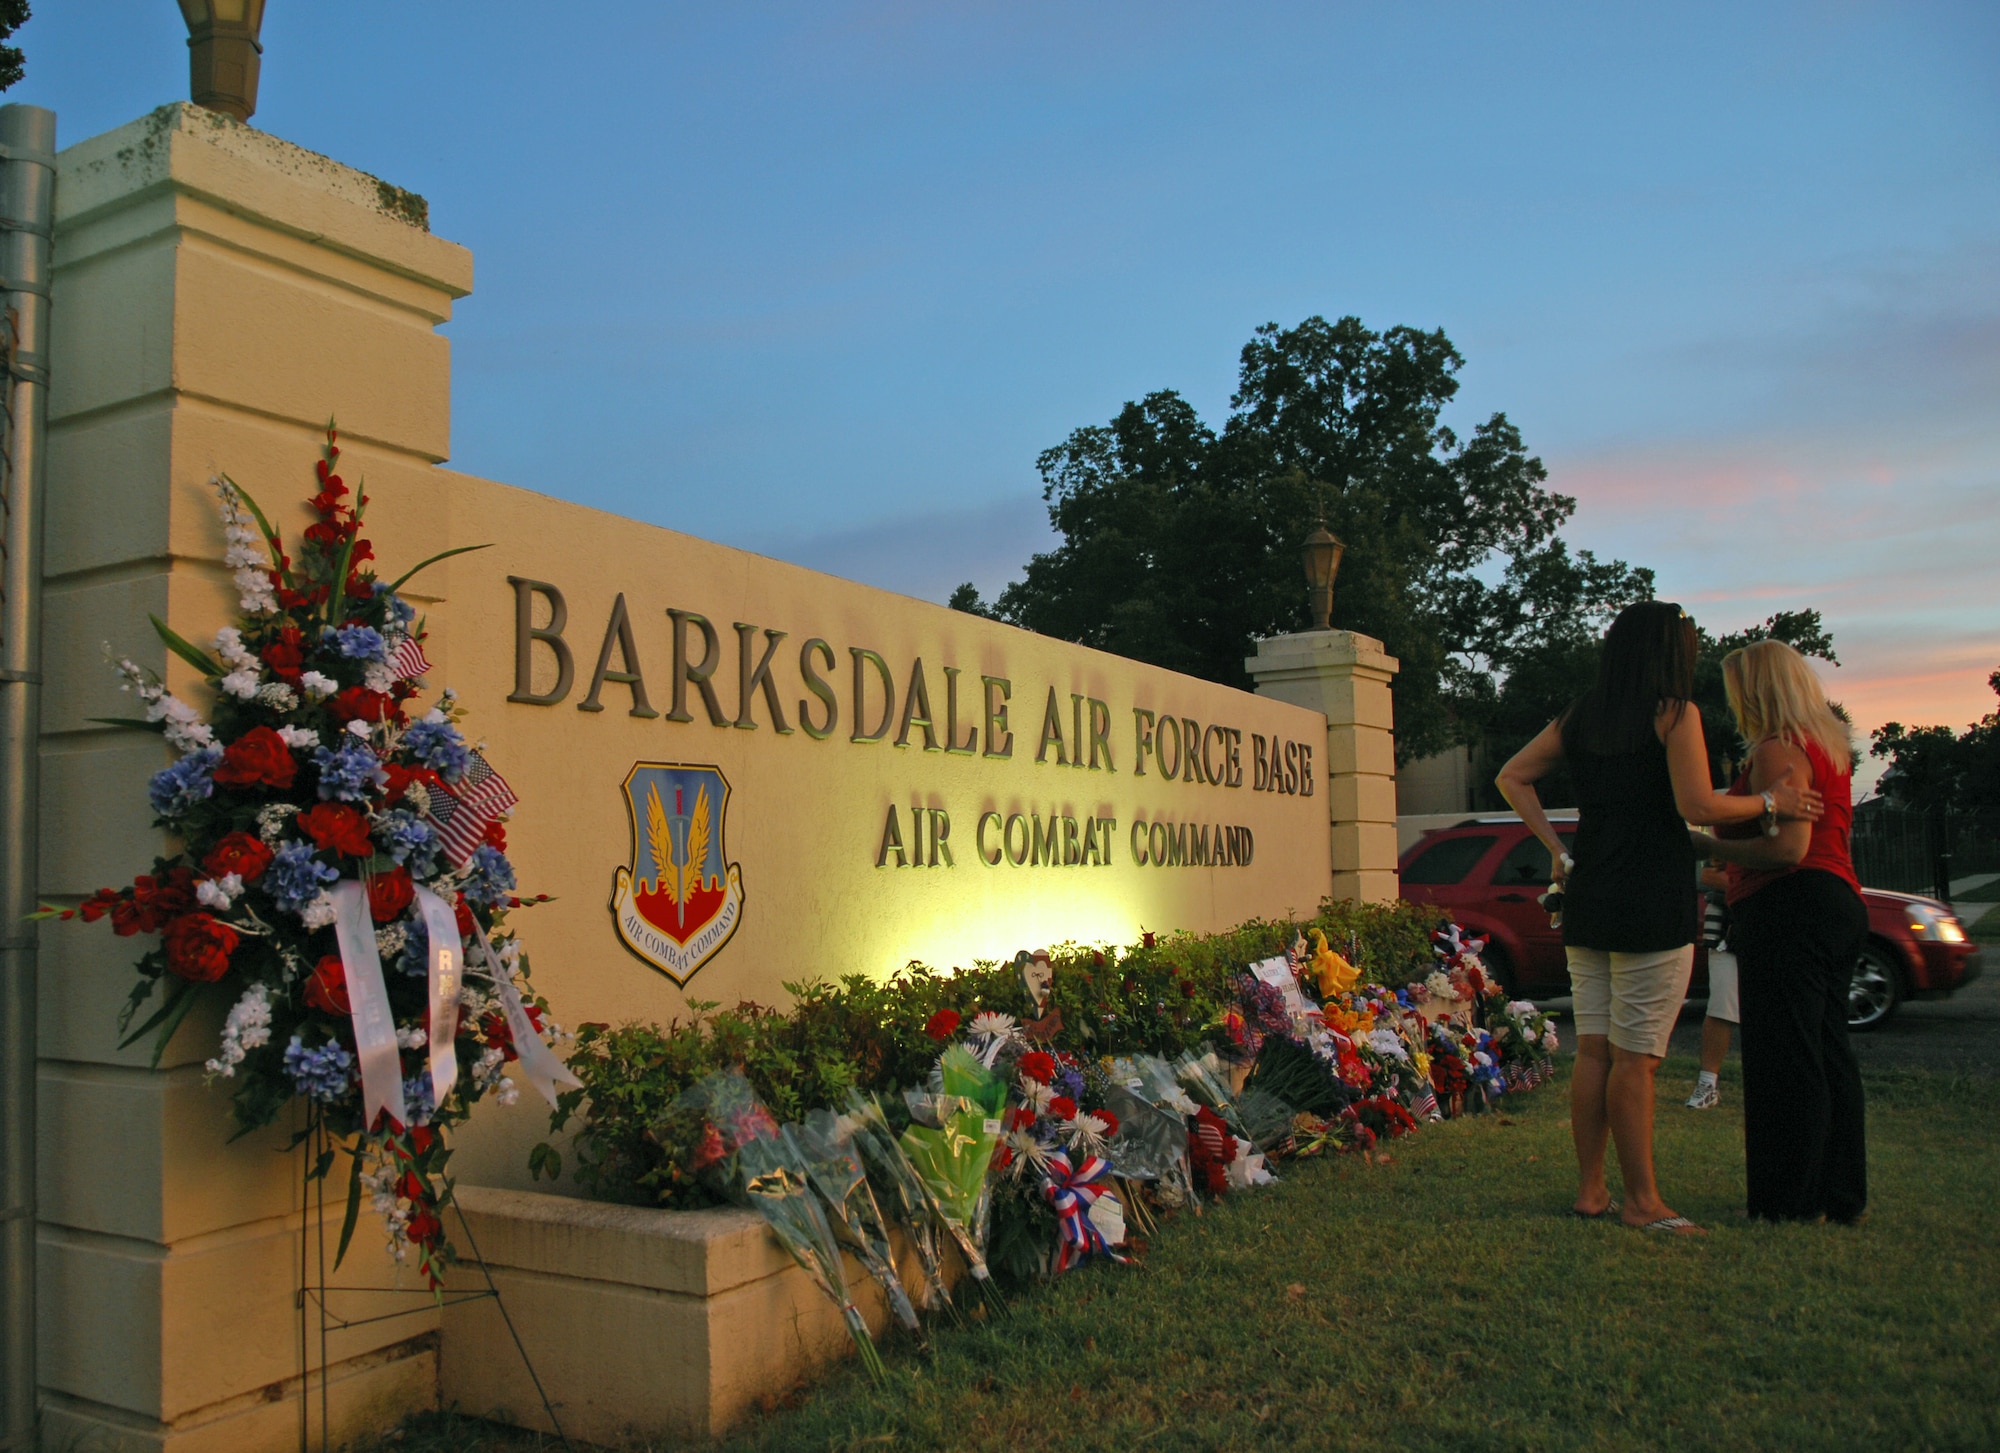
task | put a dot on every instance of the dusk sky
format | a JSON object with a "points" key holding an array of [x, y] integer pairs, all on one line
{"points": [[821, 280]]}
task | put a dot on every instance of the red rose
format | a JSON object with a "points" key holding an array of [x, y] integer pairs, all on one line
{"points": [[153, 902], [496, 834], [943, 1024], [1063, 1108], [1110, 1122], [390, 895], [257, 758], [239, 853], [326, 990], [402, 778], [357, 703], [499, 1034], [1039, 1065], [336, 827], [198, 947], [286, 656]]}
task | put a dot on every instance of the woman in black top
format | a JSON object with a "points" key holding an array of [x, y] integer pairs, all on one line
{"points": [[1634, 748]]}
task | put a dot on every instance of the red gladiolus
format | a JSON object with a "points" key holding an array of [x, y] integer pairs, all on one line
{"points": [[103, 901], [943, 1024], [258, 758], [198, 947], [336, 827], [499, 1034], [402, 778], [1039, 1065], [496, 834], [326, 990], [390, 895], [423, 1228], [356, 703], [240, 853], [153, 903], [466, 922], [1063, 1108], [286, 656]]}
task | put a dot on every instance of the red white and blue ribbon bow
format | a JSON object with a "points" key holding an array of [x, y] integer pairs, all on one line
{"points": [[1073, 1190]]}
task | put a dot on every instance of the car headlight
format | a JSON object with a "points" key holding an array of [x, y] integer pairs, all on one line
{"points": [[1937, 925]]}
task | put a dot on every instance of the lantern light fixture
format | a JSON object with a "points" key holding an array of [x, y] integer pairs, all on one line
{"points": [[1321, 554], [224, 54]]}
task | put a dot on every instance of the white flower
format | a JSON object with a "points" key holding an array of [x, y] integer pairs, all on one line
{"points": [[1178, 1101], [1438, 986], [358, 728], [378, 677], [1550, 1041], [272, 820], [1388, 1044], [219, 893], [318, 687], [298, 738], [247, 1027], [278, 696], [390, 939], [240, 684], [244, 555], [1482, 1058], [994, 1026], [411, 1037], [1029, 1153], [318, 913], [1086, 1133], [503, 1090], [1036, 1095]]}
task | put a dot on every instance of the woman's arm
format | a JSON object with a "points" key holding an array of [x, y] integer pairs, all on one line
{"points": [[1771, 763], [1517, 784], [1697, 802]]}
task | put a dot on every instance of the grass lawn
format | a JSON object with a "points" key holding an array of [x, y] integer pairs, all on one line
{"points": [[1445, 1300]]}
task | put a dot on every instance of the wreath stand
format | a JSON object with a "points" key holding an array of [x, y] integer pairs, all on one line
{"points": [[315, 1299]]}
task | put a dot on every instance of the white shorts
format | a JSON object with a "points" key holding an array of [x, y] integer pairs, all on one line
{"points": [[1722, 986], [1631, 999]]}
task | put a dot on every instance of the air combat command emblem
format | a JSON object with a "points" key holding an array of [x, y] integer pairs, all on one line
{"points": [[680, 900]]}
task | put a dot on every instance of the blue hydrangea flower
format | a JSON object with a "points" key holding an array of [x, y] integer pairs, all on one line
{"points": [[414, 961], [401, 612], [417, 1097], [1069, 1082], [490, 878], [295, 876], [436, 743], [356, 643], [349, 773], [323, 1073], [410, 841], [175, 789]]}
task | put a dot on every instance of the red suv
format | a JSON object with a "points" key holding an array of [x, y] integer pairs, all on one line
{"points": [[1487, 872]]}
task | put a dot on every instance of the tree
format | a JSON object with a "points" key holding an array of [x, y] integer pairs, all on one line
{"points": [[1181, 545], [13, 64], [1933, 768]]}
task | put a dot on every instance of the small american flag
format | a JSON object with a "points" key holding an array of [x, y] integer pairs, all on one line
{"points": [[464, 812], [1424, 1103], [409, 662]]}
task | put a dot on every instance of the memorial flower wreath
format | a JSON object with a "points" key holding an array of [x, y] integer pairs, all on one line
{"points": [[342, 880]]}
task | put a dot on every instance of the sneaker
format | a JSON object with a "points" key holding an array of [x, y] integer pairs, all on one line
{"points": [[1705, 1097]]}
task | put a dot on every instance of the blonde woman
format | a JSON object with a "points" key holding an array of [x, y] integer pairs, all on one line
{"points": [[1797, 923]]}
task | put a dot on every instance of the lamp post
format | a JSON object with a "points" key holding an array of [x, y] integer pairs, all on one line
{"points": [[1321, 553], [223, 54]]}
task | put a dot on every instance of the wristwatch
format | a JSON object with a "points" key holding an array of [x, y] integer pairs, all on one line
{"points": [[1770, 814]]}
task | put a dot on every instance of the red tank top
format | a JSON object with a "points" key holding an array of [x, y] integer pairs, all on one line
{"points": [[1828, 850]]}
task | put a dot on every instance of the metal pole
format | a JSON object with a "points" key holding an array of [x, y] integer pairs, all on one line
{"points": [[27, 218]]}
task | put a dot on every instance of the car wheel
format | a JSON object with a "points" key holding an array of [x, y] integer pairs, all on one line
{"points": [[1500, 968], [1875, 991]]}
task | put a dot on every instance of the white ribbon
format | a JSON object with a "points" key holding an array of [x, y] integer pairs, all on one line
{"points": [[368, 1001], [447, 972], [538, 1062]]}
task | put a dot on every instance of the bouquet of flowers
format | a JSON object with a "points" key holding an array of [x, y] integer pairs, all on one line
{"points": [[827, 1142], [909, 1199], [951, 1155], [340, 878]]}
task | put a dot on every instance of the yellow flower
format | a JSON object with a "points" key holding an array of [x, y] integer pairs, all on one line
{"points": [[1422, 1061]]}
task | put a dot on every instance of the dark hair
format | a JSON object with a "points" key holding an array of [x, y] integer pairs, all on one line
{"points": [[1645, 665]]}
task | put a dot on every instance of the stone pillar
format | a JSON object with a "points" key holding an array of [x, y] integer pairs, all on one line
{"points": [[216, 294], [1347, 677]]}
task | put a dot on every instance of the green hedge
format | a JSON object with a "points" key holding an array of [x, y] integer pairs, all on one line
{"points": [[1161, 996]]}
